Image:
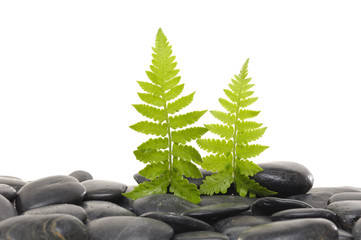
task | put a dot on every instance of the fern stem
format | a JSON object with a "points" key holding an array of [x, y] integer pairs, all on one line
{"points": [[170, 155], [235, 145]]}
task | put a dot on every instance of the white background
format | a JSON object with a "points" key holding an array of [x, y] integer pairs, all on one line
{"points": [[68, 72]]}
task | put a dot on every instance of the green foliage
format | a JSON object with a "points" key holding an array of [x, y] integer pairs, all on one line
{"points": [[230, 155], [168, 157]]}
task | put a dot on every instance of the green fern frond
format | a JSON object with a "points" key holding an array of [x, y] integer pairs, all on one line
{"points": [[187, 169], [150, 88], [188, 134], [151, 99], [216, 183], [154, 113], [183, 120], [216, 146], [187, 153], [150, 156], [250, 136], [146, 127], [144, 189], [249, 151], [154, 144], [182, 188], [154, 170], [216, 163], [180, 103], [222, 130], [226, 118]]}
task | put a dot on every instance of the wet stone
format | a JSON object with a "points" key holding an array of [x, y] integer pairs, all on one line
{"points": [[7, 209], [343, 235], [103, 190], [240, 221], [129, 228], [299, 229], [304, 213], [315, 199], [98, 209], [16, 183], [214, 199], [48, 191], [50, 227], [348, 212], [215, 212], [69, 209], [334, 190], [200, 235], [269, 205], [286, 178], [162, 203], [345, 196], [81, 175], [356, 231], [8, 192], [179, 223]]}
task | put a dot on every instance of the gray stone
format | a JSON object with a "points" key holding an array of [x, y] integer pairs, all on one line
{"points": [[344, 196], [69, 209], [104, 190], [200, 235], [162, 203], [36, 227], [356, 231], [240, 221], [348, 213], [286, 178], [334, 190], [269, 205], [98, 209], [315, 199], [304, 213], [343, 235], [7, 210], [214, 199], [48, 191], [299, 229], [16, 183], [128, 228], [8, 192], [81, 175]]}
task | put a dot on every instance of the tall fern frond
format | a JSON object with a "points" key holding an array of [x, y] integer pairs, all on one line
{"points": [[168, 157], [231, 154]]}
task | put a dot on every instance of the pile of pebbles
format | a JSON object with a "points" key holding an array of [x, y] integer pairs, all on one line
{"points": [[77, 207]]}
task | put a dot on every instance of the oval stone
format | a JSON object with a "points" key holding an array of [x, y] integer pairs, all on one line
{"points": [[348, 212], [48, 191], [304, 213], [69, 209], [200, 235], [99, 209], [214, 199], [315, 199], [269, 205], [7, 209], [16, 183], [81, 175], [345, 196], [35, 227], [104, 190], [8, 192], [286, 178], [240, 221], [128, 228], [299, 229], [356, 231]]}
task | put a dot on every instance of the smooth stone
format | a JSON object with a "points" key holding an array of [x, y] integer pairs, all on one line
{"points": [[48, 191], [128, 228], [240, 221], [8, 192], [162, 203], [179, 223], [36, 227], [269, 205], [315, 199], [345, 196], [69, 209], [348, 212], [199, 181], [215, 212], [298, 229], [356, 231], [286, 178], [304, 213], [139, 178], [81, 175], [334, 190], [234, 232], [98, 209], [200, 235], [103, 190], [16, 183], [7, 209], [127, 202], [214, 199], [343, 235]]}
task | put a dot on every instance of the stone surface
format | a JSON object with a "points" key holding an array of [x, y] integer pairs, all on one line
{"points": [[49, 227], [334, 190], [348, 212], [179, 223], [81, 175], [286, 178], [299, 229], [214, 199], [104, 190], [98, 209], [356, 231], [128, 228], [343, 235], [215, 212], [200, 235], [162, 203], [48, 191], [7, 209], [8, 192], [315, 199], [16, 183], [269, 205], [240, 221], [304, 213], [69, 209], [344, 196]]}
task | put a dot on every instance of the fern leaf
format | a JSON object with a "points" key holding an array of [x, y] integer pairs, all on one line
{"points": [[158, 186], [171, 83], [226, 118], [245, 114], [245, 94], [221, 130], [182, 188], [150, 112], [245, 185], [248, 151], [216, 183], [230, 107], [150, 88], [249, 136], [154, 170], [146, 127], [247, 125], [183, 120], [174, 92], [152, 77], [188, 134], [151, 99], [247, 167], [154, 144], [187, 153], [231, 95], [246, 102], [180, 103], [217, 162], [151, 156], [216, 146], [187, 169]]}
